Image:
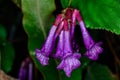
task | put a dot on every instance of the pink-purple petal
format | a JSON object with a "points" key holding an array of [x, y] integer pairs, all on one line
{"points": [[43, 54], [41, 57], [94, 51], [60, 46], [69, 63]]}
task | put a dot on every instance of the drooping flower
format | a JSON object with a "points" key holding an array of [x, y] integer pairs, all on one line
{"points": [[70, 60], [93, 48], [43, 54], [75, 46]]}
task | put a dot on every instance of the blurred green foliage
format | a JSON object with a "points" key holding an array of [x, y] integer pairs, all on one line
{"points": [[7, 56], [6, 51], [3, 34], [99, 72]]}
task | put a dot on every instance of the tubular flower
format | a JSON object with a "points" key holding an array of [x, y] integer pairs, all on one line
{"points": [[43, 54], [70, 60], [93, 48], [67, 49], [75, 46]]}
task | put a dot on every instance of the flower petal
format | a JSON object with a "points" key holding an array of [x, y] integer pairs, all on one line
{"points": [[60, 46], [48, 46], [69, 63], [88, 41], [94, 51], [42, 58]]}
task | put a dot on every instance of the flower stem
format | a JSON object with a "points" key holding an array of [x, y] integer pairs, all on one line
{"points": [[69, 3]]}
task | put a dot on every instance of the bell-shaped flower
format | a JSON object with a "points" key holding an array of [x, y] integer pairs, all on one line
{"points": [[69, 61], [43, 54], [75, 46], [93, 48]]}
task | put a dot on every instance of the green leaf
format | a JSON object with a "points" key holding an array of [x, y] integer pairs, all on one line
{"points": [[7, 57], [99, 72], [37, 21], [99, 14], [3, 33], [75, 75], [37, 15]]}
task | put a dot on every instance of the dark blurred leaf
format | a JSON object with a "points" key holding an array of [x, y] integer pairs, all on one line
{"points": [[64, 3], [37, 21], [49, 72], [85, 62], [99, 72], [3, 33], [99, 14], [75, 75], [7, 57], [17, 2]]}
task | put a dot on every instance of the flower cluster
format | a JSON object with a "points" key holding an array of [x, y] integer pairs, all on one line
{"points": [[67, 49]]}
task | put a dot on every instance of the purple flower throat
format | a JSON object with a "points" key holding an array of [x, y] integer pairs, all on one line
{"points": [[67, 48]]}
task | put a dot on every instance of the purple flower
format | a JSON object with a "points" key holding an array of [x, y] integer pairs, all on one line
{"points": [[43, 54], [75, 46], [69, 60], [93, 49]]}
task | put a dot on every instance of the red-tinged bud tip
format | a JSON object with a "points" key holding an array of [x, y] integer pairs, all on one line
{"points": [[69, 13], [78, 16], [66, 28], [58, 19], [74, 18], [60, 27]]}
